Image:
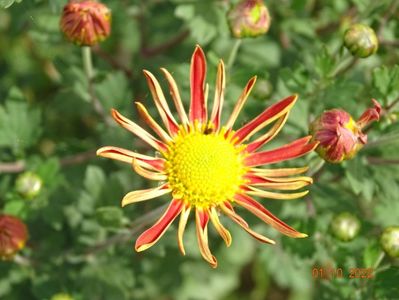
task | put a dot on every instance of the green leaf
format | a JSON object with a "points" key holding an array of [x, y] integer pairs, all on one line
{"points": [[8, 3], [19, 123]]}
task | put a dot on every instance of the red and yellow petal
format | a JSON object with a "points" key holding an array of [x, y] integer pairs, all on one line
{"points": [[268, 136], [261, 212], [229, 211], [250, 190], [224, 233], [152, 123], [202, 219], [185, 213], [137, 130], [149, 237], [278, 172], [240, 103], [174, 92], [161, 103], [147, 194], [295, 149], [197, 85], [219, 96], [144, 170], [266, 117], [128, 156]]}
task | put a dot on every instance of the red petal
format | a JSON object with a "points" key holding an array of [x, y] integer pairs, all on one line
{"points": [[258, 210], [370, 115], [295, 149], [153, 234], [266, 117], [197, 82]]}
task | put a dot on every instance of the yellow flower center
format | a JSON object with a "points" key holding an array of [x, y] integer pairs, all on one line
{"points": [[204, 169]]}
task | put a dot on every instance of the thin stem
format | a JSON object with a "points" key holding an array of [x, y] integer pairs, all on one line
{"points": [[87, 62], [20, 165], [233, 53], [379, 260], [89, 71]]}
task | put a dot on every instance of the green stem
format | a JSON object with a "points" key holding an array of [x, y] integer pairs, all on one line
{"points": [[233, 53], [89, 71], [87, 62], [379, 260]]}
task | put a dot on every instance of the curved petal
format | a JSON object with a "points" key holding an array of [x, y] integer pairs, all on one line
{"points": [[182, 226], [137, 130], [174, 92], [142, 195], [295, 149], [268, 136], [152, 123], [128, 156], [201, 220], [290, 183], [272, 195], [266, 216], [229, 211], [278, 172], [287, 186], [161, 103], [240, 103], [149, 237], [197, 85], [224, 233], [219, 95], [142, 169], [266, 117]]}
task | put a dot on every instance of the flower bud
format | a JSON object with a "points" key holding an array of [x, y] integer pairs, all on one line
{"points": [[390, 241], [361, 40], [62, 296], [86, 23], [28, 185], [339, 136], [13, 236], [249, 18], [345, 226]]}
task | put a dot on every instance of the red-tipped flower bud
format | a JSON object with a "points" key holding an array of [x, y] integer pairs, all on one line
{"points": [[339, 136], [13, 236], [86, 22], [249, 18], [361, 40], [345, 226], [390, 241]]}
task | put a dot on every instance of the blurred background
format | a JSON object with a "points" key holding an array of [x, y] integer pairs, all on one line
{"points": [[53, 118]]}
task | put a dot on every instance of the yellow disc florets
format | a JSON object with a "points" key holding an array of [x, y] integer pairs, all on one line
{"points": [[204, 169]]}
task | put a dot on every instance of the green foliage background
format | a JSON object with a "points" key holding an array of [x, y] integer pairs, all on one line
{"points": [[81, 242]]}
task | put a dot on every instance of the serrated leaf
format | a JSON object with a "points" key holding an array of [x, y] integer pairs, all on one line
{"points": [[19, 123]]}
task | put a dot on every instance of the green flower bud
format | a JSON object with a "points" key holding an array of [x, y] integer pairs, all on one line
{"points": [[361, 40], [109, 216], [28, 185], [249, 18], [345, 226], [62, 296], [390, 241]]}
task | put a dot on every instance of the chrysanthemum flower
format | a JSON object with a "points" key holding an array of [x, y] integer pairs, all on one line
{"points": [[13, 236], [208, 168]]}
